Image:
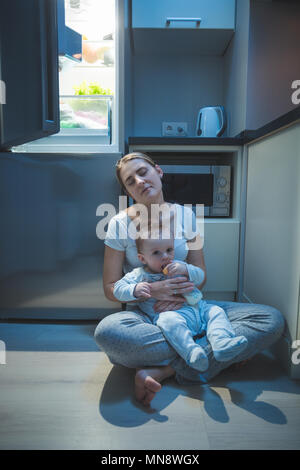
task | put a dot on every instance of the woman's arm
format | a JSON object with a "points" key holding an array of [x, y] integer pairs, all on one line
{"points": [[112, 270], [196, 257]]}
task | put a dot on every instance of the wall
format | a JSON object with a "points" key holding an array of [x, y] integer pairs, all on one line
{"points": [[274, 63], [173, 88]]}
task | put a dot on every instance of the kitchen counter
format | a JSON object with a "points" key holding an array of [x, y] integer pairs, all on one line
{"points": [[185, 141], [243, 138]]}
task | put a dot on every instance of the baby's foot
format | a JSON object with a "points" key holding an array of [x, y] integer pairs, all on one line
{"points": [[198, 359], [227, 348]]}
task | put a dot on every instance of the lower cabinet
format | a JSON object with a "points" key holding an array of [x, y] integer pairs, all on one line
{"points": [[272, 233], [221, 251]]}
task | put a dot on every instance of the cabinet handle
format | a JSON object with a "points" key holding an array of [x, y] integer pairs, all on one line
{"points": [[197, 20], [49, 54]]}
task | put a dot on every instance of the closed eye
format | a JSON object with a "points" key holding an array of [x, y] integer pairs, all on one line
{"points": [[140, 172]]}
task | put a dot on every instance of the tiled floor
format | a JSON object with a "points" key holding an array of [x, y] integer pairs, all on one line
{"points": [[58, 391]]}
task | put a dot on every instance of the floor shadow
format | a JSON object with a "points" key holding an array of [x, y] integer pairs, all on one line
{"points": [[244, 386], [118, 406]]}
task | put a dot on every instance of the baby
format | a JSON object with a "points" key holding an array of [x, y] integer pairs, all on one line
{"points": [[179, 327]]}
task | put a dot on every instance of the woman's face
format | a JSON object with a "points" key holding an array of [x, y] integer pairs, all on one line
{"points": [[142, 181]]}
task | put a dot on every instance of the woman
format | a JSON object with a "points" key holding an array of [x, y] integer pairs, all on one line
{"points": [[128, 337]]}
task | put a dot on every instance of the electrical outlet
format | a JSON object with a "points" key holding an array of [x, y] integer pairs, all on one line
{"points": [[168, 128], [174, 129], [181, 129]]}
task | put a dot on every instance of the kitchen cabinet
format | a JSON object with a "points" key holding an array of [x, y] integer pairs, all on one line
{"points": [[51, 257], [221, 248], [272, 231], [28, 67], [215, 14], [173, 26]]}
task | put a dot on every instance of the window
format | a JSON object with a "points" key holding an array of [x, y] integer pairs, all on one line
{"points": [[88, 88]]}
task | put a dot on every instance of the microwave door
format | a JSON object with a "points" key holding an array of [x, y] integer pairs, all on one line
{"points": [[189, 184], [29, 100]]}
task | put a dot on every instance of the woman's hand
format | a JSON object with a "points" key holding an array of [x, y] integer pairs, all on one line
{"points": [[171, 289]]}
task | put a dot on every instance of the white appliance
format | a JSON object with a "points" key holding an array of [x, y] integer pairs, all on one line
{"points": [[211, 121]]}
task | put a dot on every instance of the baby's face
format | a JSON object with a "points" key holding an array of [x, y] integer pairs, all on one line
{"points": [[156, 254]]}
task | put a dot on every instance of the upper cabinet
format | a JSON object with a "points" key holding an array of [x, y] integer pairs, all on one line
{"points": [[192, 26]]}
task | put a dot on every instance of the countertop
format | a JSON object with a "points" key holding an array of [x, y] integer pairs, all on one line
{"points": [[243, 138]]}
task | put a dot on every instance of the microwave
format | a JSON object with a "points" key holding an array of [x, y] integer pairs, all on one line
{"points": [[209, 185]]}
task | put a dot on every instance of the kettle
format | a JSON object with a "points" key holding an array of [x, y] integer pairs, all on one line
{"points": [[211, 121]]}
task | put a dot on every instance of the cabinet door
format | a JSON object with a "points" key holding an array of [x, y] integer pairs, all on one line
{"points": [[214, 14], [221, 251], [272, 236], [28, 71]]}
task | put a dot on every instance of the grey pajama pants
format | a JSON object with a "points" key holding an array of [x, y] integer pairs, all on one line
{"points": [[130, 339]]}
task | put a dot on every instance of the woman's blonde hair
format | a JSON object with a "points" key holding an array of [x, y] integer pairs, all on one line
{"points": [[127, 158]]}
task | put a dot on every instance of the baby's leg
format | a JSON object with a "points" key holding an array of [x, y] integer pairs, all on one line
{"points": [[225, 344], [177, 333]]}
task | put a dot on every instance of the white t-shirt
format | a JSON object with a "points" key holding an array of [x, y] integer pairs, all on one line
{"points": [[117, 236]]}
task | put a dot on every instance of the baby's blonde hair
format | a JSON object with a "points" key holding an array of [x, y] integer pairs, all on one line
{"points": [[152, 232]]}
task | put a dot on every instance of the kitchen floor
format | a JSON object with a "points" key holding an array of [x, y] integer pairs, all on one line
{"points": [[59, 391]]}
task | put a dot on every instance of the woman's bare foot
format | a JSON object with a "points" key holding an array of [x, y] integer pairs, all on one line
{"points": [[239, 365], [147, 382]]}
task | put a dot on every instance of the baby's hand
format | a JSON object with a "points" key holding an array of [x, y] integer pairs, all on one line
{"points": [[142, 289], [175, 269]]}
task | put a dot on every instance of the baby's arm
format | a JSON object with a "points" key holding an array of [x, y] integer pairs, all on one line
{"points": [[128, 288], [195, 274], [142, 290]]}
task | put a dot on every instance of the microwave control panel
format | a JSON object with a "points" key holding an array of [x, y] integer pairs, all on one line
{"points": [[221, 195]]}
